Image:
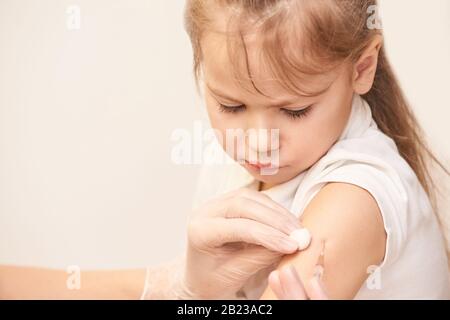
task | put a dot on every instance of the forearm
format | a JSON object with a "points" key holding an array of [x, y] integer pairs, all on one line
{"points": [[164, 282], [40, 283]]}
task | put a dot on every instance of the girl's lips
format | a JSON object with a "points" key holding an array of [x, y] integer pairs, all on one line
{"points": [[259, 166]]}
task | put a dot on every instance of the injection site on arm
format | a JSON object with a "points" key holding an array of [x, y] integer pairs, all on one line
{"points": [[347, 237]]}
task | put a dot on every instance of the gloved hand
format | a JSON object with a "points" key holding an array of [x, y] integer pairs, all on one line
{"points": [[287, 285], [230, 238]]}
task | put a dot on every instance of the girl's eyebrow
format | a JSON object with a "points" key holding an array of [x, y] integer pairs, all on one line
{"points": [[277, 104], [220, 94]]}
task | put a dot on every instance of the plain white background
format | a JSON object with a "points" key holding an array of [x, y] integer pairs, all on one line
{"points": [[86, 118]]}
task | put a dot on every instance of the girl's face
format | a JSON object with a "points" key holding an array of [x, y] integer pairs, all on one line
{"points": [[308, 126]]}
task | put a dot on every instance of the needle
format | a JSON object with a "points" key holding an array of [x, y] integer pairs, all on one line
{"points": [[319, 268]]}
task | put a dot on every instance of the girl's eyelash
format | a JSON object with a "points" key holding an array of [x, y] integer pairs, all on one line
{"points": [[231, 109], [297, 114], [293, 114]]}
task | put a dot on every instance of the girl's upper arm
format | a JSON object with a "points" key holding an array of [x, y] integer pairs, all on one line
{"points": [[346, 223]]}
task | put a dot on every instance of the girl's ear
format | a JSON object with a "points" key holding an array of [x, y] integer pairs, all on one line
{"points": [[366, 67]]}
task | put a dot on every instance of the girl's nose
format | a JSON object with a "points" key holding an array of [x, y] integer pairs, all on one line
{"points": [[262, 140]]}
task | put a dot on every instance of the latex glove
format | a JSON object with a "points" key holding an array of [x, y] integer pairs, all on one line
{"points": [[230, 238], [286, 285]]}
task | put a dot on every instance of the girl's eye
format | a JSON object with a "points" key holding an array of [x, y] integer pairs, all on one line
{"points": [[297, 114], [231, 109]]}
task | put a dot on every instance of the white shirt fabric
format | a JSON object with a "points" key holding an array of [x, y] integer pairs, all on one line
{"points": [[415, 264]]}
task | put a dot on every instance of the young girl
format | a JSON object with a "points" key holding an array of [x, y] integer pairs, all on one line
{"points": [[352, 163]]}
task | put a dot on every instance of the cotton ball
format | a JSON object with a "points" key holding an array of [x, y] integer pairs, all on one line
{"points": [[303, 238]]}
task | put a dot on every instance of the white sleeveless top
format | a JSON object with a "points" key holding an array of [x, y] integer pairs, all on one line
{"points": [[415, 264]]}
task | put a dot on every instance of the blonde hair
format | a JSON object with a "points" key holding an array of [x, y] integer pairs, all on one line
{"points": [[330, 32]]}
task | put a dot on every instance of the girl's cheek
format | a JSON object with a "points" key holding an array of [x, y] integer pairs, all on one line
{"points": [[218, 119]]}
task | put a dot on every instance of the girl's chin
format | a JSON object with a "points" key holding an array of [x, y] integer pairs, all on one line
{"points": [[269, 180], [269, 177]]}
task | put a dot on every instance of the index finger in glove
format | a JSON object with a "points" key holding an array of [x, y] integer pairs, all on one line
{"points": [[216, 232]]}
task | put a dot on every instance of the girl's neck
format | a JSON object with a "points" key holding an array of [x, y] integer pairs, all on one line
{"points": [[263, 186]]}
